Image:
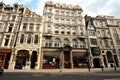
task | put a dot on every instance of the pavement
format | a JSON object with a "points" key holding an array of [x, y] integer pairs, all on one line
{"points": [[84, 70]]}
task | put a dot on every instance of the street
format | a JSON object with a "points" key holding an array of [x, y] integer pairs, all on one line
{"points": [[114, 75]]}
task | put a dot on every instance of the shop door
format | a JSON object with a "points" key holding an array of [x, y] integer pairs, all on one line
{"points": [[67, 60]]}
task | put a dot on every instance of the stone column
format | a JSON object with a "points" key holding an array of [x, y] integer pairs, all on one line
{"points": [[12, 60], [71, 59], [41, 60], [28, 63], [37, 64]]}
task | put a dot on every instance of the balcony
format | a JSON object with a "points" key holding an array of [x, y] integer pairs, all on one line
{"points": [[48, 34], [81, 36]]}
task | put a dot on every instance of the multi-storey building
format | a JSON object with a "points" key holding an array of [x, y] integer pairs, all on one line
{"points": [[64, 42], [107, 56], [28, 45], [9, 23], [113, 24], [62, 38], [94, 55]]}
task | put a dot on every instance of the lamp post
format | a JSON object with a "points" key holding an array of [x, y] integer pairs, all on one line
{"points": [[88, 56]]}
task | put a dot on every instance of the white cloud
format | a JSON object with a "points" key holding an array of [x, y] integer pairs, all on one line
{"points": [[92, 7], [14, 1]]}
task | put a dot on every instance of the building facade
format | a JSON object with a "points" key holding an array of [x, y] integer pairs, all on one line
{"points": [[107, 55], [64, 42], [27, 51], [9, 22], [61, 38]]}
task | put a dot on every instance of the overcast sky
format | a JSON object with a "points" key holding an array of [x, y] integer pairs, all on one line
{"points": [[90, 7]]}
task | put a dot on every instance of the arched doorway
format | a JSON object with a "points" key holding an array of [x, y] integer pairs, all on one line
{"points": [[33, 59], [109, 57], [21, 58], [96, 63], [67, 52]]}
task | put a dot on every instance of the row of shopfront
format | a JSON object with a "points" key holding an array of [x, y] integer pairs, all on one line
{"points": [[65, 57]]}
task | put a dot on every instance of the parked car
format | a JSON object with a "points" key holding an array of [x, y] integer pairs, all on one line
{"points": [[1, 70]]}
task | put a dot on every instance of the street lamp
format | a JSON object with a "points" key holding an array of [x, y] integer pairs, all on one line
{"points": [[88, 56]]}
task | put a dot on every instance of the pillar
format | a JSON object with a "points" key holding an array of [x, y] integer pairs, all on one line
{"points": [[37, 65], [12, 60], [71, 59]]}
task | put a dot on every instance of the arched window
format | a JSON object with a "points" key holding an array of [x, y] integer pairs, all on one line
{"points": [[82, 43], [29, 39], [48, 42], [106, 43], [36, 39], [22, 38], [66, 41], [74, 43], [57, 42], [109, 57]]}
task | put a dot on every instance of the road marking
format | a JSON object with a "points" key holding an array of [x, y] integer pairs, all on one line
{"points": [[113, 79]]}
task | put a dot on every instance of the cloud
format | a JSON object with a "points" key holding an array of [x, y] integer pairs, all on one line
{"points": [[14, 1], [92, 7]]}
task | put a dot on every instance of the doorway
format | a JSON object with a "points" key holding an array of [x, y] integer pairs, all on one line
{"points": [[33, 59], [21, 59], [96, 63], [67, 63]]}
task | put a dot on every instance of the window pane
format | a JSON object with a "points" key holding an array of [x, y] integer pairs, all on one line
{"points": [[29, 39]]}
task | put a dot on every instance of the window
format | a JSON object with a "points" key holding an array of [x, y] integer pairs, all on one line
{"points": [[74, 43], [49, 19], [62, 30], [49, 29], [29, 39], [57, 42], [92, 33], [62, 21], [13, 17], [6, 40], [10, 29], [117, 41], [56, 20], [24, 26], [101, 24], [66, 41], [62, 12], [114, 31], [79, 22], [31, 27], [82, 43], [3, 17], [106, 43], [68, 30], [36, 39], [57, 12], [1, 8], [93, 41], [68, 13], [72, 22], [72, 13], [48, 42], [37, 27], [68, 21], [79, 13], [74, 32], [56, 30], [103, 33], [22, 38], [50, 10]]}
